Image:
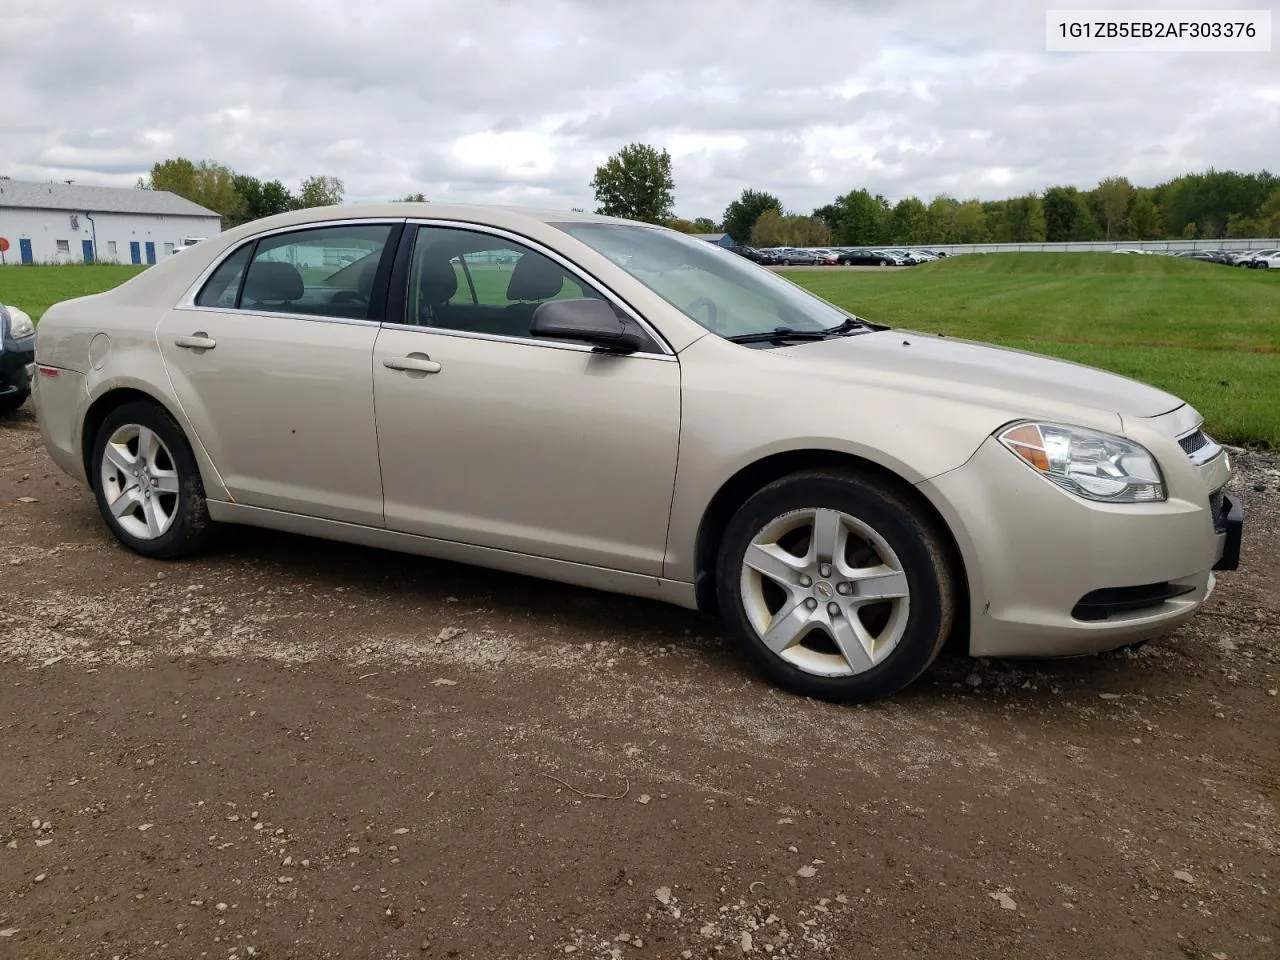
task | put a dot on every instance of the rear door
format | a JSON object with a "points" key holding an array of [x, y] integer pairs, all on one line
{"points": [[271, 363], [490, 437]]}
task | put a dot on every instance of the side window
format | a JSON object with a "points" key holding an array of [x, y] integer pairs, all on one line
{"points": [[325, 272], [481, 283], [224, 283]]}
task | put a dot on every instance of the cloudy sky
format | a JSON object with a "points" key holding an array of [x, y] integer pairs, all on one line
{"points": [[517, 101]]}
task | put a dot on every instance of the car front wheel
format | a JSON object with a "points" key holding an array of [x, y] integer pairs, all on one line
{"points": [[147, 483], [12, 401], [836, 586]]}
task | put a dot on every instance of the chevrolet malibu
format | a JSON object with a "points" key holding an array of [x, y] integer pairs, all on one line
{"points": [[615, 405]]}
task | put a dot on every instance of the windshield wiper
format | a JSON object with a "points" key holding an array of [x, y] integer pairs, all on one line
{"points": [[778, 335], [854, 323]]}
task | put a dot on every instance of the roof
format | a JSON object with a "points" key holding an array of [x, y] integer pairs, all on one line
{"points": [[712, 237], [503, 215], [75, 197]]}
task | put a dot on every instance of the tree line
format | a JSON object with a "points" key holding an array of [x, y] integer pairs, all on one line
{"points": [[239, 198], [637, 183]]}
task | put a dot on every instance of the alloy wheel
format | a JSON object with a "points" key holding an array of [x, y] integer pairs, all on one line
{"points": [[140, 481], [825, 592]]}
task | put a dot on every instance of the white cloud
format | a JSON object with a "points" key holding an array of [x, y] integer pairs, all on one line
{"points": [[507, 101]]}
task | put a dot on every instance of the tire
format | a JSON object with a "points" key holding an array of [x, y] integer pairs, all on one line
{"points": [[896, 639], [12, 403], [884, 263], [166, 515]]}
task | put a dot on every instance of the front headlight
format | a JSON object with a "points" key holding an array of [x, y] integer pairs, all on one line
{"points": [[1096, 466], [20, 325]]}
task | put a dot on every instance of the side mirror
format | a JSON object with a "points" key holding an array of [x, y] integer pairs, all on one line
{"points": [[588, 321]]}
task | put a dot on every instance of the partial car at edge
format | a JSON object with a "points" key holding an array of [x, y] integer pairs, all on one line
{"points": [[17, 354], [616, 405]]}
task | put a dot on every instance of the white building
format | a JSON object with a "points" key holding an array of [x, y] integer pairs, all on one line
{"points": [[70, 223]]}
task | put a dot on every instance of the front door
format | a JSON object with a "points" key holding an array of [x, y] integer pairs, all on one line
{"points": [[86, 250], [135, 251], [24, 251], [490, 437], [272, 368], [151, 252]]}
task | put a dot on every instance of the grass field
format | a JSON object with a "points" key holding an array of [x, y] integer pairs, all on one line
{"points": [[36, 288], [1208, 333]]}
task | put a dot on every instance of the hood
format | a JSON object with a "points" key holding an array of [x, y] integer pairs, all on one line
{"points": [[980, 370]]}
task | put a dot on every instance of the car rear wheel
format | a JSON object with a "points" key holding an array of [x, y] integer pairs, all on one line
{"points": [[147, 483], [835, 585]]}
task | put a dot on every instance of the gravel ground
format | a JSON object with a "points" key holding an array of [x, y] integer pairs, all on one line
{"points": [[288, 748]]}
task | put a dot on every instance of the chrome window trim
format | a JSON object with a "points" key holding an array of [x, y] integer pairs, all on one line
{"points": [[188, 300], [524, 341], [554, 255]]}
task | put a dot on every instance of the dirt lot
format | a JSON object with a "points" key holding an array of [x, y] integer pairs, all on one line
{"points": [[295, 749]]}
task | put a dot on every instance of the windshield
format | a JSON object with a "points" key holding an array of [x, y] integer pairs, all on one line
{"points": [[721, 291]]}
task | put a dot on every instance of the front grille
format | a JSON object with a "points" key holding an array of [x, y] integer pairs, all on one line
{"points": [[1193, 442]]}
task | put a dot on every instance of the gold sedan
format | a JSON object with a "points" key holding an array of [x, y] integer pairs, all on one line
{"points": [[616, 405]]}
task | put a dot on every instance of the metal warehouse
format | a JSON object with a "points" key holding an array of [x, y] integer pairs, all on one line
{"points": [[70, 223]]}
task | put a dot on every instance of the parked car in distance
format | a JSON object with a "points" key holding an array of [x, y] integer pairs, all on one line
{"points": [[1207, 256], [17, 355], [789, 256], [892, 258], [762, 257], [186, 243], [1256, 259], [866, 258], [625, 408], [825, 257]]}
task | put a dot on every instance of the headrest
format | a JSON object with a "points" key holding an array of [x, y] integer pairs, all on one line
{"points": [[272, 281], [437, 282], [535, 278]]}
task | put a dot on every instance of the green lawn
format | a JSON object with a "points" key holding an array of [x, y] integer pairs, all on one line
{"points": [[36, 288], [1207, 333]]}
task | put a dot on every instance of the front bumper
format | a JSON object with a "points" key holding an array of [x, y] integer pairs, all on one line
{"points": [[1052, 575]]}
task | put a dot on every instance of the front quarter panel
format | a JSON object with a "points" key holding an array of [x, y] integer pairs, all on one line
{"points": [[740, 406]]}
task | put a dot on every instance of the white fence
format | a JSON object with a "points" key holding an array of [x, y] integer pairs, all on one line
{"points": [[1105, 246]]}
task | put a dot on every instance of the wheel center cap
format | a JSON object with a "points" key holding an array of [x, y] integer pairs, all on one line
{"points": [[823, 589]]}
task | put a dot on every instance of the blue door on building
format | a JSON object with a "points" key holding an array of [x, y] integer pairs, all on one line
{"points": [[24, 250], [135, 251], [151, 252], [86, 248]]}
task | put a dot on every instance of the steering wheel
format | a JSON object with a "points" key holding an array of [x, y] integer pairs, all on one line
{"points": [[713, 312]]}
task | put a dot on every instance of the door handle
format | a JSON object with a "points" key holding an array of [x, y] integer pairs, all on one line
{"points": [[414, 363], [199, 341]]}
